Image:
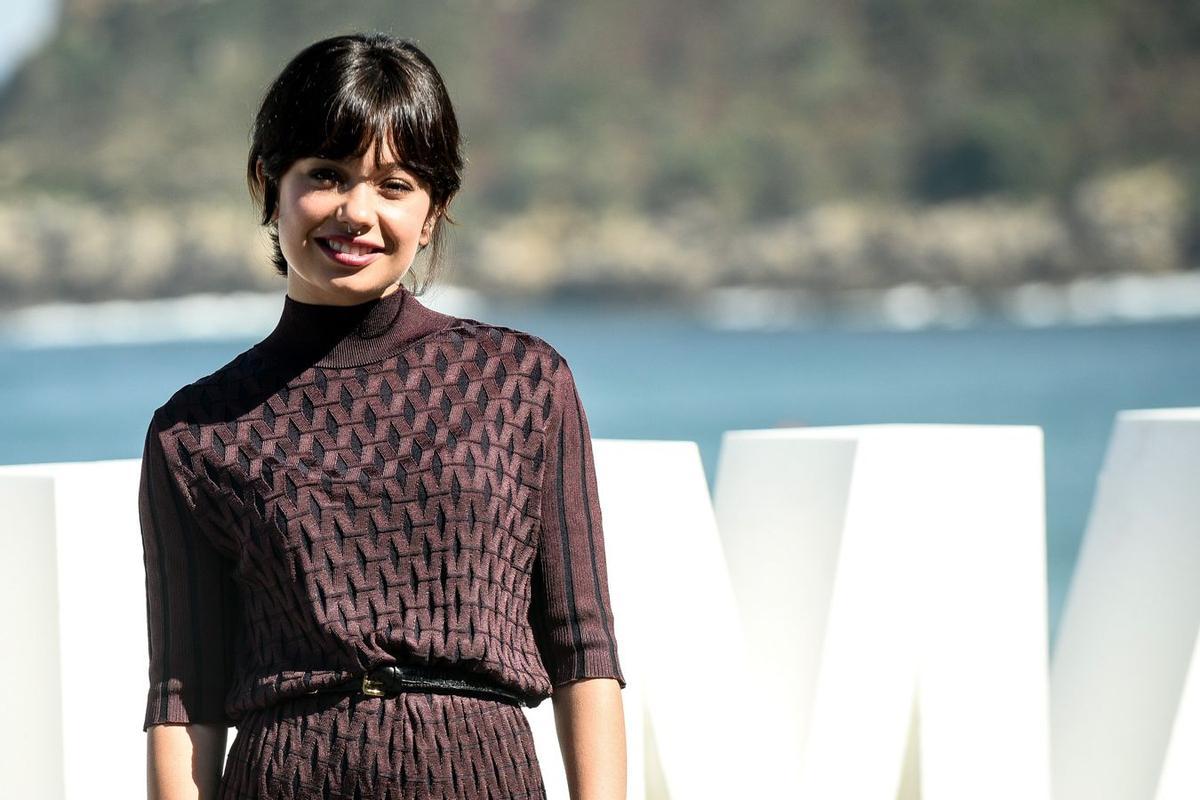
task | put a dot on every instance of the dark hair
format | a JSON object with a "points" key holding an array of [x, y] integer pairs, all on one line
{"points": [[339, 95]]}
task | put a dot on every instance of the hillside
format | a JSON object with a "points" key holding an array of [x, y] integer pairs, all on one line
{"points": [[636, 144]]}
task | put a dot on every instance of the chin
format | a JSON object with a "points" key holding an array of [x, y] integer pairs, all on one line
{"points": [[362, 283]]}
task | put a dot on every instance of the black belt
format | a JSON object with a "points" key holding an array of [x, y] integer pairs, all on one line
{"points": [[391, 679]]}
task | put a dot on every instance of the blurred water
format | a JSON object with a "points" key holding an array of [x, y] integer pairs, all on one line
{"points": [[658, 374]]}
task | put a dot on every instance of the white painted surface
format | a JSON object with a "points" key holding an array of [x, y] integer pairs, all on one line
{"points": [[31, 738], [891, 570], [100, 678], [678, 625], [1125, 703]]}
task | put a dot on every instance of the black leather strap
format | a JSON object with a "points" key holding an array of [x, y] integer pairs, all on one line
{"points": [[391, 679]]}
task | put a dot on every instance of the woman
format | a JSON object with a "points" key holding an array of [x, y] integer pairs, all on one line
{"points": [[373, 536]]}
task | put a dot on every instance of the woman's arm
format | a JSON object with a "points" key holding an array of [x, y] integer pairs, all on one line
{"points": [[192, 609], [590, 719], [184, 762], [570, 611]]}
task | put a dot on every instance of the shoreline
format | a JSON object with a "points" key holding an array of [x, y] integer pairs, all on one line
{"points": [[208, 316]]}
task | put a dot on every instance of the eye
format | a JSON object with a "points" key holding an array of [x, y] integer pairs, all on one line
{"points": [[324, 175], [397, 186]]}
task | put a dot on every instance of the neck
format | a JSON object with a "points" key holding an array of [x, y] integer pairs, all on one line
{"points": [[347, 336]]}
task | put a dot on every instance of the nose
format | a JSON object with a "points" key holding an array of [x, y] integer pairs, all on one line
{"points": [[357, 207]]}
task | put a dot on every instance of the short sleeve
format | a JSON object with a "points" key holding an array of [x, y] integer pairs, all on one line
{"points": [[190, 598], [570, 610]]}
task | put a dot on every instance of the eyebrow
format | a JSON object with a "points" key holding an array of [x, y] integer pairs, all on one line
{"points": [[389, 166]]}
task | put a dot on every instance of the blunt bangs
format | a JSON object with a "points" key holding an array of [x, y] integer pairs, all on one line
{"points": [[383, 111]]}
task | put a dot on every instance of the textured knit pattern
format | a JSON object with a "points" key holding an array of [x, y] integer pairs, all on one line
{"points": [[415, 746], [374, 484]]}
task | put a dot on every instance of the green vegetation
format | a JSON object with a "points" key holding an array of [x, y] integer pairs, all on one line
{"points": [[762, 111]]}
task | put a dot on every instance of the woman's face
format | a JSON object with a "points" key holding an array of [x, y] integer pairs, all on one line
{"points": [[350, 233]]}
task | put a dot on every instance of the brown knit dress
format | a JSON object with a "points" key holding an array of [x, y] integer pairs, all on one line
{"points": [[370, 485]]}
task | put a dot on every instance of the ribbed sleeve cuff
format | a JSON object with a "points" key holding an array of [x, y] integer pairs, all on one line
{"points": [[165, 705]]}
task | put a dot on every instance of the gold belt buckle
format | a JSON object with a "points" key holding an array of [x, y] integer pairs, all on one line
{"points": [[372, 686]]}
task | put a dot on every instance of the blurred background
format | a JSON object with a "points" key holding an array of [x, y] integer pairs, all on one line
{"points": [[726, 215]]}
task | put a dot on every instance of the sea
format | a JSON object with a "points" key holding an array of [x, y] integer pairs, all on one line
{"points": [[79, 382]]}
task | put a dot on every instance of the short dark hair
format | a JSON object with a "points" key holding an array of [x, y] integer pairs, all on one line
{"points": [[339, 95]]}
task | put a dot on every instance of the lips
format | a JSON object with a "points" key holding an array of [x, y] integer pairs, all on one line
{"points": [[361, 252]]}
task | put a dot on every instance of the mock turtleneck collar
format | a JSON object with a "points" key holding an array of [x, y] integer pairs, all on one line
{"points": [[349, 336]]}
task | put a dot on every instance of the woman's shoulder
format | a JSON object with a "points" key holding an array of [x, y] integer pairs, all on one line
{"points": [[495, 338], [208, 396], [543, 368]]}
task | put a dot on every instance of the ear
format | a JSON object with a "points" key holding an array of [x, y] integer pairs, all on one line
{"points": [[260, 174], [431, 221]]}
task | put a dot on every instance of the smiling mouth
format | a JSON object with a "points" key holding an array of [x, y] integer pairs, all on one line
{"points": [[347, 255]]}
